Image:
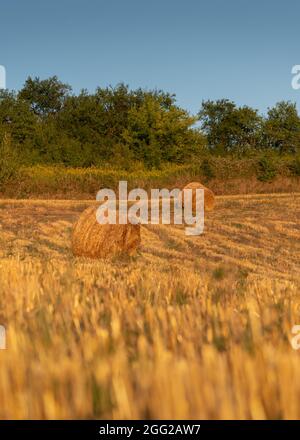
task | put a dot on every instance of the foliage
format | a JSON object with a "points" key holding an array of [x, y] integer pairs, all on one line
{"points": [[267, 169], [282, 128], [124, 128], [207, 169], [44, 96], [229, 175], [295, 166], [16, 118], [9, 162], [156, 134], [229, 128]]}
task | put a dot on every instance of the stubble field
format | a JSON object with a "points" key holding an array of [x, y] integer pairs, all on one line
{"points": [[191, 327]]}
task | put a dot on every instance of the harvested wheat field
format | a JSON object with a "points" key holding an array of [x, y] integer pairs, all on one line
{"points": [[190, 327]]}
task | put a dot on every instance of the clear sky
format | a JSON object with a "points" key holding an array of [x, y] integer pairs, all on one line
{"points": [[237, 49]]}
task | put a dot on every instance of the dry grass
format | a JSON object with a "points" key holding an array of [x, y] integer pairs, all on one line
{"points": [[233, 176], [191, 328]]}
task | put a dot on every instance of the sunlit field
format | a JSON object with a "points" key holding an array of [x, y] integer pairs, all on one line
{"points": [[191, 327]]}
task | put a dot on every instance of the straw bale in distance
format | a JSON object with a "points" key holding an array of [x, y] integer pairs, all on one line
{"points": [[209, 198], [93, 240]]}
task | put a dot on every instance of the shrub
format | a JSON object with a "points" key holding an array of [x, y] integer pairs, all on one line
{"points": [[266, 169], [295, 166], [9, 160], [207, 169]]}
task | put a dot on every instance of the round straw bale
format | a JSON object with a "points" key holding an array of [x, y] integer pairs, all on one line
{"points": [[209, 198], [94, 240]]}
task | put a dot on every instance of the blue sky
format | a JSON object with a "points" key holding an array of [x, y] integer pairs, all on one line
{"points": [[236, 49]]}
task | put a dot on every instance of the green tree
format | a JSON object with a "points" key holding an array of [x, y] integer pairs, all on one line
{"points": [[156, 133], [122, 125], [117, 102], [230, 128], [16, 118], [44, 96], [282, 128]]}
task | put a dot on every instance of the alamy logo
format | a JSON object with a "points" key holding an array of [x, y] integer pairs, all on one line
{"points": [[136, 208], [2, 338], [2, 77], [296, 77], [295, 341]]}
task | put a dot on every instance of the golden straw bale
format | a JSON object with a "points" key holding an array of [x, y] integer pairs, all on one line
{"points": [[94, 240], [209, 197]]}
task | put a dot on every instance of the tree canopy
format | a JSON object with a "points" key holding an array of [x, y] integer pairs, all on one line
{"points": [[48, 123]]}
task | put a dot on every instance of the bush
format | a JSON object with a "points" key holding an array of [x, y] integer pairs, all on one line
{"points": [[295, 166], [266, 169], [9, 160], [207, 169]]}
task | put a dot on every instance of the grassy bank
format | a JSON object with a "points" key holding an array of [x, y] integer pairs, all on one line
{"points": [[222, 175]]}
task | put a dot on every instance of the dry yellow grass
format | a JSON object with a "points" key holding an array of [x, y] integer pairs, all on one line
{"points": [[194, 327]]}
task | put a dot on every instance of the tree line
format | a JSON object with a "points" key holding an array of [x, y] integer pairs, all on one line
{"points": [[46, 123]]}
